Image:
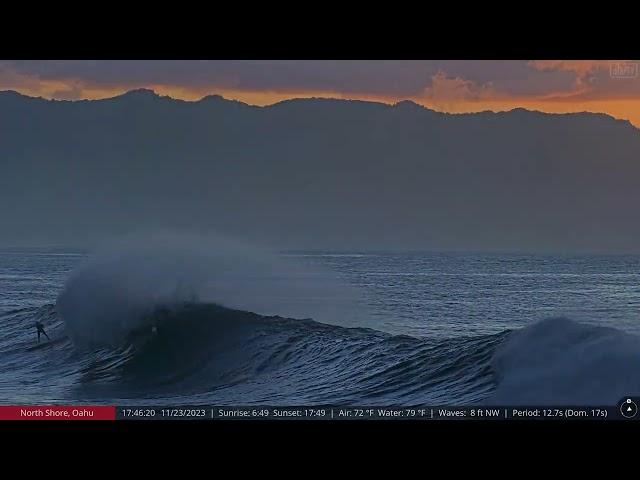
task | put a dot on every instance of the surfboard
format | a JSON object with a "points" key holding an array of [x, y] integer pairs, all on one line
{"points": [[39, 346], [45, 343]]}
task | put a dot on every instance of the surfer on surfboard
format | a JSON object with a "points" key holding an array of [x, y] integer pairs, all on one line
{"points": [[40, 328]]}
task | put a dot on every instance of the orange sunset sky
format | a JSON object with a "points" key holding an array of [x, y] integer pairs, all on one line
{"points": [[456, 86]]}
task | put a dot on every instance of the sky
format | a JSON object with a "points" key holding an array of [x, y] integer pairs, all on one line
{"points": [[455, 86]]}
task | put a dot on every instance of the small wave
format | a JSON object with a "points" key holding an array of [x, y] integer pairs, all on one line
{"points": [[560, 361]]}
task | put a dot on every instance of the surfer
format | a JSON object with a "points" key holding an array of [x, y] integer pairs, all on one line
{"points": [[40, 328]]}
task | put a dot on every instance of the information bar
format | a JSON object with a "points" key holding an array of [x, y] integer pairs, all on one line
{"points": [[370, 413], [626, 411]]}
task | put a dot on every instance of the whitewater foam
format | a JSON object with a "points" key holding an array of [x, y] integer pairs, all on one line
{"points": [[118, 289]]}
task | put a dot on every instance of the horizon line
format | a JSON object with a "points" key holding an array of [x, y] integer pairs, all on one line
{"points": [[303, 98]]}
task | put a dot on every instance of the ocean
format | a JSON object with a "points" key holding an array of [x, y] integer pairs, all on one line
{"points": [[422, 329]]}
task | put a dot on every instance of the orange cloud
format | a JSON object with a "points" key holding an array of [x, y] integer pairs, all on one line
{"points": [[580, 67], [593, 79]]}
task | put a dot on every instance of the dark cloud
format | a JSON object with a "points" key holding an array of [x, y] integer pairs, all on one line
{"points": [[390, 79], [377, 77]]}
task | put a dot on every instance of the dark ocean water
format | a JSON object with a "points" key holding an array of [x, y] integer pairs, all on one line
{"points": [[431, 328]]}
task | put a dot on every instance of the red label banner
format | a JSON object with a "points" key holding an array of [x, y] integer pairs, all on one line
{"points": [[57, 412]]}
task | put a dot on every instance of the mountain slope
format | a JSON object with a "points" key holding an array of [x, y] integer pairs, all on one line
{"points": [[317, 173]]}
